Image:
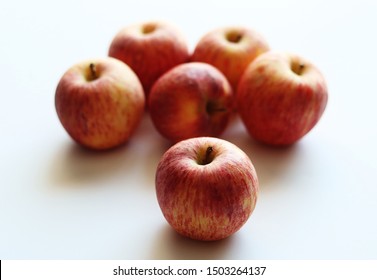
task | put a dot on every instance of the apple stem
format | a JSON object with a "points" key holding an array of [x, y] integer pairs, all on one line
{"points": [[219, 110], [93, 71], [301, 68], [234, 36], [211, 108], [208, 157], [298, 68]]}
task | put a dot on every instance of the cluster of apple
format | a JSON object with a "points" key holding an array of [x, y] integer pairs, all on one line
{"points": [[206, 187]]}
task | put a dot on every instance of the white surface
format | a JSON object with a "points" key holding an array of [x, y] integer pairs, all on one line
{"points": [[317, 198]]}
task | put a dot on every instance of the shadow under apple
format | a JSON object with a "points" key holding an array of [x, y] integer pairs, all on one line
{"points": [[74, 165], [169, 245], [271, 163], [151, 146]]}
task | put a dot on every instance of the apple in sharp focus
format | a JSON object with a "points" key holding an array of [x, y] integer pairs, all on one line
{"points": [[150, 49], [281, 97], [206, 188], [191, 100], [230, 49], [100, 102]]}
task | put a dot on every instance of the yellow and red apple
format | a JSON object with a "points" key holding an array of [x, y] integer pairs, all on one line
{"points": [[150, 49], [100, 102], [230, 49], [281, 97]]}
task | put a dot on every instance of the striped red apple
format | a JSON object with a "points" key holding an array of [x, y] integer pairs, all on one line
{"points": [[150, 49], [206, 188], [191, 100], [230, 49], [100, 102], [281, 97]]}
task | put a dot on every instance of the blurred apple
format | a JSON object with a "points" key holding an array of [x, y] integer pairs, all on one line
{"points": [[100, 102], [230, 49], [206, 188], [281, 97], [192, 99], [150, 49]]}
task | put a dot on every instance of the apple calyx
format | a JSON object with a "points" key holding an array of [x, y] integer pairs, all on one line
{"points": [[208, 157]]}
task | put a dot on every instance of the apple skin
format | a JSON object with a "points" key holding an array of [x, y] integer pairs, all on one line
{"points": [[150, 49], [100, 102], [206, 188], [281, 97], [191, 100], [231, 50]]}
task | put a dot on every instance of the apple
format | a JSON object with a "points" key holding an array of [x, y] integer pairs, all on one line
{"points": [[206, 188], [150, 49], [100, 102], [191, 100], [281, 97], [230, 49]]}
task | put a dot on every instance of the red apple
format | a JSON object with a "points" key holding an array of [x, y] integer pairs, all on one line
{"points": [[206, 188], [150, 49], [100, 102], [230, 49], [192, 99], [281, 97]]}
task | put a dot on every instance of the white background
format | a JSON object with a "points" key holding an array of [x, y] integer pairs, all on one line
{"points": [[318, 199]]}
